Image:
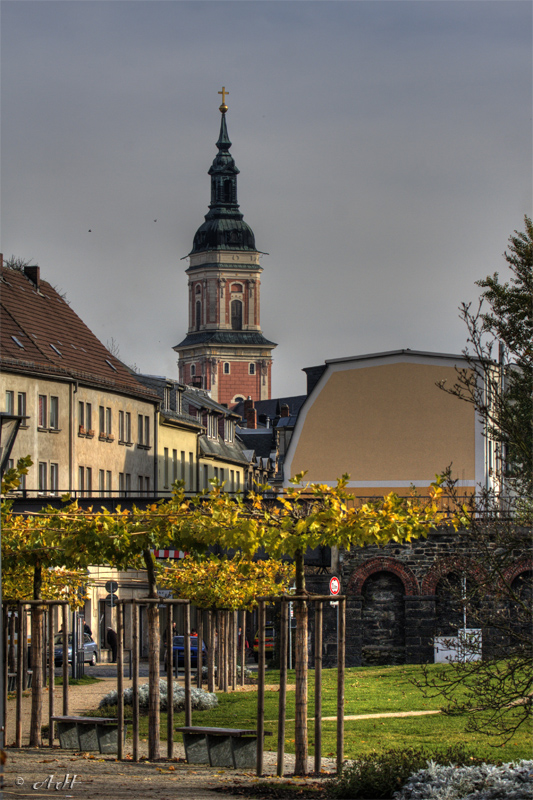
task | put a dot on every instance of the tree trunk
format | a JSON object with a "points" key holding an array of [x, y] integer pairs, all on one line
{"points": [[301, 664], [210, 651], [36, 661], [154, 714]]}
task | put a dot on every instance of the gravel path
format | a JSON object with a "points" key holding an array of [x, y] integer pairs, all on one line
{"points": [[28, 770]]}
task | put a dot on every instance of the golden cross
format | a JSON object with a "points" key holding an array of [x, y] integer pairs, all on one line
{"points": [[223, 93]]}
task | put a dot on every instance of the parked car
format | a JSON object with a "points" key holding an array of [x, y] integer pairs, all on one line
{"points": [[90, 649], [178, 651], [269, 643]]}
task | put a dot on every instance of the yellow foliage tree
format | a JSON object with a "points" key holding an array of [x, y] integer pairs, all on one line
{"points": [[228, 583]]}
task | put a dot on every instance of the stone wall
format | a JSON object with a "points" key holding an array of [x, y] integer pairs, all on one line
{"points": [[400, 597]]}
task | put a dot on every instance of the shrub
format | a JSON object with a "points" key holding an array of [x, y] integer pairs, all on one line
{"points": [[379, 775], [483, 782], [201, 700]]}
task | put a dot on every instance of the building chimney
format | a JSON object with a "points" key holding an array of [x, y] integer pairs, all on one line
{"points": [[285, 410], [251, 417], [248, 403], [33, 274]]}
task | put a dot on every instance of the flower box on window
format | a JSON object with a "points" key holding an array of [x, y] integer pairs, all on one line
{"points": [[110, 437], [81, 430], [90, 433]]}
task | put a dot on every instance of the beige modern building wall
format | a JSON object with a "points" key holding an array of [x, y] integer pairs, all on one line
{"points": [[383, 420]]}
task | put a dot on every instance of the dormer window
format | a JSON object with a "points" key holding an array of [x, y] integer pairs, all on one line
{"points": [[229, 430], [212, 426], [166, 398]]}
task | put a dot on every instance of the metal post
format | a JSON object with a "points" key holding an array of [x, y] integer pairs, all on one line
{"points": [[200, 652], [170, 684], [340, 683], [282, 688], [319, 605], [74, 644], [135, 678], [20, 686], [51, 657], [187, 664], [243, 645], [25, 651], [210, 651], [65, 659], [5, 670], [120, 680], [290, 634], [261, 689]]}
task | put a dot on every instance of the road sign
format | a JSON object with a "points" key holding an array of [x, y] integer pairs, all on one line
{"points": [[111, 600], [334, 585], [111, 587]]}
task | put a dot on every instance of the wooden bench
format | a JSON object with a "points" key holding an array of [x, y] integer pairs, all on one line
{"points": [[220, 747], [12, 681], [88, 733]]}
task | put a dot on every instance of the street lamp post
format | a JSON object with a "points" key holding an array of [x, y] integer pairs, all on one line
{"points": [[9, 427]]}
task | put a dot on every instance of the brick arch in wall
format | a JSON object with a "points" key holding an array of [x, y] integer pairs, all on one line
{"points": [[523, 565], [443, 567], [382, 564]]}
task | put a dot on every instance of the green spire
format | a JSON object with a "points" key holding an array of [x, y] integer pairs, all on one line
{"points": [[224, 227]]}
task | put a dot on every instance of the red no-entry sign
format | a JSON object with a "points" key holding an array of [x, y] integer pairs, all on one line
{"points": [[334, 586]]}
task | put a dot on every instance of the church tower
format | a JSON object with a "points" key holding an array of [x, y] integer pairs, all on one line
{"points": [[225, 351]]}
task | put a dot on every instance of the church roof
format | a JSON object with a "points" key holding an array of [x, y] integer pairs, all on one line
{"points": [[218, 337], [224, 227]]}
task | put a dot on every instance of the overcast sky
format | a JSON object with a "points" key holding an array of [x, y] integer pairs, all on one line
{"points": [[384, 150]]}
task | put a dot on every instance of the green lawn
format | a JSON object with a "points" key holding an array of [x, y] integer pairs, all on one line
{"points": [[368, 690]]}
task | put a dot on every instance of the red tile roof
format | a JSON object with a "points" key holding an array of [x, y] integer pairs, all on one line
{"points": [[54, 339]]}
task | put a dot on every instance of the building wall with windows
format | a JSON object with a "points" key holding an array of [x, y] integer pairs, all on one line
{"points": [[91, 426], [197, 440]]}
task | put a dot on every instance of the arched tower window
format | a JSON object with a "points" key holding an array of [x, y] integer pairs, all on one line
{"points": [[228, 191], [198, 314], [236, 315]]}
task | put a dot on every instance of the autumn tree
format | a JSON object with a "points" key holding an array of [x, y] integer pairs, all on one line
{"points": [[307, 516], [497, 691], [499, 379], [35, 566]]}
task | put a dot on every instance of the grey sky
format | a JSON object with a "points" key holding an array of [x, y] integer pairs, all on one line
{"points": [[384, 150]]}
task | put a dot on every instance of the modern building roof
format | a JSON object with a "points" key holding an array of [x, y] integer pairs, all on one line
{"points": [[388, 353], [41, 334]]}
